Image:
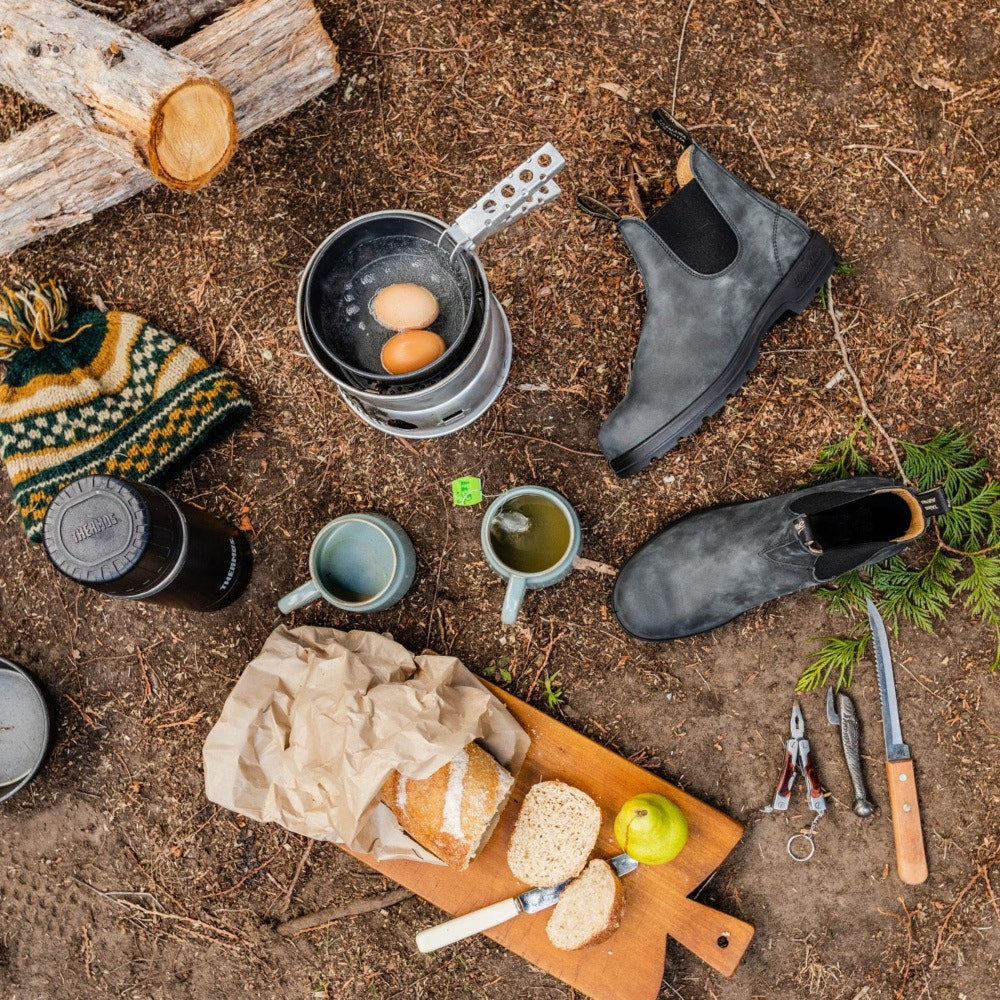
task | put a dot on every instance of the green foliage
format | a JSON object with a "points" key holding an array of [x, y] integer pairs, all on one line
{"points": [[845, 458], [553, 691], [498, 671], [974, 523], [962, 569], [847, 593], [838, 653], [920, 596]]}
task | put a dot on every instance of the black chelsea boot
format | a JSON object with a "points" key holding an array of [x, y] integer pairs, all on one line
{"points": [[712, 565], [721, 265]]}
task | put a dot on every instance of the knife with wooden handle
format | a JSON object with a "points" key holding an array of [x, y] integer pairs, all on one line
{"points": [[483, 919], [911, 861], [715, 937]]}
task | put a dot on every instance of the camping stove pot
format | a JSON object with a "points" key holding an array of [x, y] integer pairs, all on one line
{"points": [[341, 335]]}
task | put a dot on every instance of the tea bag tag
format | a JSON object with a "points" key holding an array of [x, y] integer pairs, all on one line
{"points": [[466, 491]]}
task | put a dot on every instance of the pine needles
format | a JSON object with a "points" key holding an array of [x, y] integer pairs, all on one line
{"points": [[962, 569]]}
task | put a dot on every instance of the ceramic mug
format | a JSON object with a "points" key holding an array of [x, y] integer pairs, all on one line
{"points": [[358, 562], [530, 537]]}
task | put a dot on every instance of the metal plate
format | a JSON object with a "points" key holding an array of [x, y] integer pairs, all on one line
{"points": [[24, 728]]}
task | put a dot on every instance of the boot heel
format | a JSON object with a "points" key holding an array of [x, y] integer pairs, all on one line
{"points": [[805, 277]]}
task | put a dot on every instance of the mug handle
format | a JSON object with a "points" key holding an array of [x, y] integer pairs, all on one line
{"points": [[517, 587], [298, 598]]}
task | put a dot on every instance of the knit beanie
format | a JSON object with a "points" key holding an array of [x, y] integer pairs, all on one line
{"points": [[98, 393]]}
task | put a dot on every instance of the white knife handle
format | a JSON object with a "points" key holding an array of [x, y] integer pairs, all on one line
{"points": [[467, 925]]}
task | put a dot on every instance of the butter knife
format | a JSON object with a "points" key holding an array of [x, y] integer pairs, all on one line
{"points": [[497, 913]]}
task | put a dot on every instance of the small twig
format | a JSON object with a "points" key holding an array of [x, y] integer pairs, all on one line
{"points": [[982, 872], [86, 952], [773, 13], [437, 578], [942, 544], [545, 659], [191, 720], [588, 565], [97, 8], [147, 687], [865, 408], [295, 878], [86, 718], [413, 48], [246, 878], [901, 992], [882, 149], [902, 173], [118, 898], [767, 166], [555, 444], [323, 918], [680, 49]]}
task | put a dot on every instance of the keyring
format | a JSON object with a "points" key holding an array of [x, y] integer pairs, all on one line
{"points": [[807, 839]]}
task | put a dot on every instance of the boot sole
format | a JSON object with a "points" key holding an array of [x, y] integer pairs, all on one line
{"points": [[794, 292]]}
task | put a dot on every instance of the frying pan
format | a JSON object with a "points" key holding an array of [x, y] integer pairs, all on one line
{"points": [[24, 728]]}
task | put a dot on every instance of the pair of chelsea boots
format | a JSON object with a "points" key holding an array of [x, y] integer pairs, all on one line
{"points": [[721, 265]]}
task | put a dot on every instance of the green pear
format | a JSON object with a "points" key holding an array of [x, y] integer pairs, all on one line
{"points": [[651, 829]]}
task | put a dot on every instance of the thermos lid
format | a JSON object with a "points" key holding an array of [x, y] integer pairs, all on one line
{"points": [[24, 728], [97, 529]]}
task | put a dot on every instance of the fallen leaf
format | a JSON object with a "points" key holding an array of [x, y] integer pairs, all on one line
{"points": [[926, 82], [621, 92]]}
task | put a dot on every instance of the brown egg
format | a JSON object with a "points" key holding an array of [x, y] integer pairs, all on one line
{"points": [[410, 350], [405, 306]]}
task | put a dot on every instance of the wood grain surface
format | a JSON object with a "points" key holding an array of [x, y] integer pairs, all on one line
{"points": [[272, 55], [158, 109], [907, 830], [656, 903]]}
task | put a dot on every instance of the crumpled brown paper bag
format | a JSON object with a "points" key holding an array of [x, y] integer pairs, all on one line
{"points": [[319, 719]]}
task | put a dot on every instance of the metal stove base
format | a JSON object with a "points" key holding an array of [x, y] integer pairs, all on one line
{"points": [[452, 405]]}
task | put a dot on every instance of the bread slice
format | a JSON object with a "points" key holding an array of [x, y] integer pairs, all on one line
{"points": [[555, 833], [453, 811], [589, 910]]}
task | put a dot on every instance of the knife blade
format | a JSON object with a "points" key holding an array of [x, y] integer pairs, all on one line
{"points": [[532, 901], [911, 861]]}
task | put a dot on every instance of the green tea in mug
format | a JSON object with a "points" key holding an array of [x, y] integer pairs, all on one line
{"points": [[530, 534]]}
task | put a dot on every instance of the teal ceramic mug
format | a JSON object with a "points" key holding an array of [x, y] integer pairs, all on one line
{"points": [[358, 562], [530, 536]]}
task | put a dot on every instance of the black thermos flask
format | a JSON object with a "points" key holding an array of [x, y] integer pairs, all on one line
{"points": [[133, 541]]}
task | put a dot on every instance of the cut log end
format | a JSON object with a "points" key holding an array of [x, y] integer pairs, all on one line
{"points": [[194, 135]]}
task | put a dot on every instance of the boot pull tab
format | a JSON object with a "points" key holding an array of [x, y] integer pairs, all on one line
{"points": [[933, 502], [667, 123], [596, 208]]}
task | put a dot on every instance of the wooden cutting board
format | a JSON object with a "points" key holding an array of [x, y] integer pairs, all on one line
{"points": [[656, 903]]}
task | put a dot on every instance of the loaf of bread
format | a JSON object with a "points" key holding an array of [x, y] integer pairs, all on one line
{"points": [[452, 812], [555, 833], [589, 910]]}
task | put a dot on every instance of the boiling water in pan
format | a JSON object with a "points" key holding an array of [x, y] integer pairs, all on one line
{"points": [[348, 319]]}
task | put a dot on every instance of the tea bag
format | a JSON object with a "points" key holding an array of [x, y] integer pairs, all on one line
{"points": [[510, 528]]}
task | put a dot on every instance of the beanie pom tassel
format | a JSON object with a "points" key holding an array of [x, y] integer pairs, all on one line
{"points": [[32, 314]]}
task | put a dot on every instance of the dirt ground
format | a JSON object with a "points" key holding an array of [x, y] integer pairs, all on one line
{"points": [[878, 123]]}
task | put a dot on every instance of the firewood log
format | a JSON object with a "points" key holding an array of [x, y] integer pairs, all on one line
{"points": [[273, 55], [163, 20], [141, 101]]}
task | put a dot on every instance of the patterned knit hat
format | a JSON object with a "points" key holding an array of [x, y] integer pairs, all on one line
{"points": [[98, 393]]}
